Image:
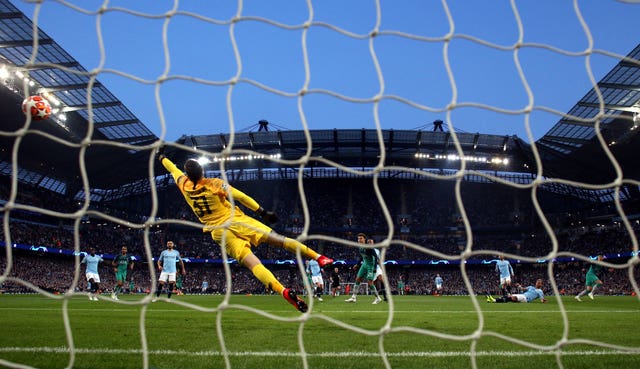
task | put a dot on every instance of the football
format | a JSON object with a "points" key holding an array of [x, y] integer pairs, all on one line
{"points": [[37, 107]]}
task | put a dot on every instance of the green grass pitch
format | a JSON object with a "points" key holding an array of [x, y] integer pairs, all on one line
{"points": [[420, 331]]}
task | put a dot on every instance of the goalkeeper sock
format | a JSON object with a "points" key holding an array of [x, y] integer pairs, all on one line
{"points": [[292, 245], [593, 289], [267, 278]]}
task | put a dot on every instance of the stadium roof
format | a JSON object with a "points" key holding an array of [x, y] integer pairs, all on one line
{"points": [[52, 72], [361, 147], [49, 153], [615, 104]]}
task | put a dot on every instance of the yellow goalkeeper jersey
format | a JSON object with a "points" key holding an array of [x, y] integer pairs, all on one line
{"points": [[209, 197]]}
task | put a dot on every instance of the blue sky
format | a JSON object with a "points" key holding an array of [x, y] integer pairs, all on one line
{"points": [[412, 69]]}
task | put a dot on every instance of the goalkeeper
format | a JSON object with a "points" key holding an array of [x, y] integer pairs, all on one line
{"points": [[209, 199]]}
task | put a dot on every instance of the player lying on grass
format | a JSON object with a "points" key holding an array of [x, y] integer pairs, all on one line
{"points": [[209, 199], [531, 293]]}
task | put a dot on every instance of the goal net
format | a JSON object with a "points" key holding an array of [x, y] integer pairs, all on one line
{"points": [[476, 84]]}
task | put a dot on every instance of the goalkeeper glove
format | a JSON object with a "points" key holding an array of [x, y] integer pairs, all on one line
{"points": [[267, 216]]}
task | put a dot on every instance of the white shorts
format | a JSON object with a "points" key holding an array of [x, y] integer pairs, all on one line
{"points": [[165, 276], [520, 297], [378, 272], [317, 279], [505, 280], [439, 286], [95, 276]]}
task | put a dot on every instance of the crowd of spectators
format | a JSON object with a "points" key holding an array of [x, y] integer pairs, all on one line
{"points": [[56, 274], [426, 221]]}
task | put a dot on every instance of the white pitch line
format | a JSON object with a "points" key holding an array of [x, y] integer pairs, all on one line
{"points": [[115, 309], [346, 354]]}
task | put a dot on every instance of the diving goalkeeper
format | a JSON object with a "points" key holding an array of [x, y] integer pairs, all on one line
{"points": [[209, 199]]}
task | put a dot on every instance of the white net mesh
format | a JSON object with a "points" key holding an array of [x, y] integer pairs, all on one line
{"points": [[432, 82]]}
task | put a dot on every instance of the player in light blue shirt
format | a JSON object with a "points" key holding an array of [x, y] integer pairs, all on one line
{"points": [[167, 262], [314, 270], [91, 273], [506, 273], [205, 286], [438, 281], [530, 294]]}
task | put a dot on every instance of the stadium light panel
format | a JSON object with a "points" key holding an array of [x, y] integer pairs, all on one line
{"points": [[203, 160]]}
